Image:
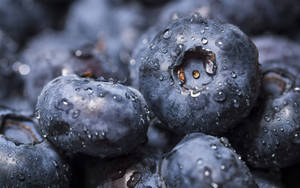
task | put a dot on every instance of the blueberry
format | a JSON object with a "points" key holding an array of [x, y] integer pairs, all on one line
{"points": [[142, 44], [199, 75], [55, 54], [160, 139], [139, 170], [21, 20], [253, 17], [26, 159], [270, 136], [268, 178], [11, 83], [204, 161], [81, 115], [272, 47], [116, 27]]}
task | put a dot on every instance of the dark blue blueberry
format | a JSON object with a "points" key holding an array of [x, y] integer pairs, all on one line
{"points": [[81, 115], [160, 139], [199, 75], [270, 136], [55, 54], [204, 161], [268, 178], [21, 20], [26, 159], [272, 47], [142, 44], [139, 170], [11, 83], [253, 17]]}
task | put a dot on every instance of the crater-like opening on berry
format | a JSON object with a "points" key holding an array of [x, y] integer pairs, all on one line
{"points": [[196, 69], [275, 84], [20, 132]]}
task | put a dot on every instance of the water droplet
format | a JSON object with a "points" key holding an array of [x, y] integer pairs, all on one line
{"points": [[297, 89], [219, 43], [210, 67], [180, 39], [267, 118], [214, 185], [202, 31], [233, 75], [76, 114], [273, 155], [164, 50], [199, 162], [296, 138], [21, 177], [134, 179], [64, 105], [90, 90], [235, 103], [152, 46], [213, 146], [204, 41], [222, 167], [38, 115], [55, 164], [161, 77], [207, 172], [220, 96], [167, 34]]}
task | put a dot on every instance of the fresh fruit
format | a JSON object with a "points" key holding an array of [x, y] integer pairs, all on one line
{"points": [[199, 75], [270, 136], [268, 179], [97, 118], [47, 59], [273, 47], [26, 159], [204, 161], [140, 170], [253, 16]]}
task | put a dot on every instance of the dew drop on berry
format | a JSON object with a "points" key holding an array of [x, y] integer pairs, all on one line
{"points": [[219, 96]]}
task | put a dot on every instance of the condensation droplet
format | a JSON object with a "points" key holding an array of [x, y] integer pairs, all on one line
{"points": [[167, 34], [204, 41]]}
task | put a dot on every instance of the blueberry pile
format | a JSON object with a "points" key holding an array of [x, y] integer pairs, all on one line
{"points": [[150, 93]]}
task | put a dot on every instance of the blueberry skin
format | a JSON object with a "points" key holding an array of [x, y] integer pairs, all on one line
{"points": [[81, 115], [268, 179], [139, 170], [118, 28], [204, 161], [11, 82], [31, 165], [142, 44], [200, 75], [52, 54], [22, 20], [270, 136], [272, 47], [26, 159], [254, 16], [159, 139]]}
